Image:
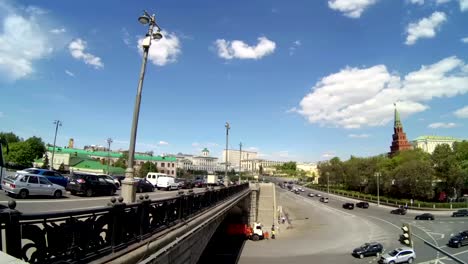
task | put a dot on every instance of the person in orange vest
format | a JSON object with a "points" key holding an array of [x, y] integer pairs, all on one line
{"points": [[266, 235]]}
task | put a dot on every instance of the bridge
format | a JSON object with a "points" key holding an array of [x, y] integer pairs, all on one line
{"points": [[167, 230]]}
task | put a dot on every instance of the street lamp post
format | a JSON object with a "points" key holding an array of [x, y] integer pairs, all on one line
{"points": [[240, 161], [377, 174], [128, 184], [57, 123], [227, 126], [109, 142]]}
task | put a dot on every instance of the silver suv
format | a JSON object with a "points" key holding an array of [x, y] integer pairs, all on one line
{"points": [[399, 255], [22, 185]]}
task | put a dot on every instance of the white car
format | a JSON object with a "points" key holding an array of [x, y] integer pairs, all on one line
{"points": [[166, 183], [399, 255], [324, 200], [22, 185]]}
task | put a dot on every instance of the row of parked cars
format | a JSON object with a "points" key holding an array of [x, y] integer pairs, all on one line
{"points": [[35, 181]]}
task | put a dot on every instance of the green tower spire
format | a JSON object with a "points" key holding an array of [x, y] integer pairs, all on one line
{"points": [[397, 118]]}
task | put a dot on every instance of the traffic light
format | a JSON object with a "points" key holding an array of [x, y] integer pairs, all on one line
{"points": [[405, 238]]}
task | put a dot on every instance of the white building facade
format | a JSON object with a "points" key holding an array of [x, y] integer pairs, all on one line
{"points": [[234, 156], [429, 143], [202, 162]]}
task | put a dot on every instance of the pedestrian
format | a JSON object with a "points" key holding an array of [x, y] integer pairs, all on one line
{"points": [[266, 235], [283, 219]]}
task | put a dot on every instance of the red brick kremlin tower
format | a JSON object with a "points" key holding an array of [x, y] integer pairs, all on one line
{"points": [[399, 137]]}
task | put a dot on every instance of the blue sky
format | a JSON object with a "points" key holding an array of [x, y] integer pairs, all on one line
{"points": [[297, 81]]}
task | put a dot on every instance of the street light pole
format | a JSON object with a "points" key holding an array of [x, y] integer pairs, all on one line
{"points": [[128, 184], [227, 126], [109, 142], [57, 123], [377, 174], [240, 161]]}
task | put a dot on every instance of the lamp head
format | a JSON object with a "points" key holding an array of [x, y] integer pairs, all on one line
{"points": [[144, 19], [157, 35]]}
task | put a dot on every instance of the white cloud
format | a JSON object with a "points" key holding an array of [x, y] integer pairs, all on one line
{"points": [[77, 49], [351, 8], [462, 112], [23, 41], [358, 135], [328, 155], [425, 28], [71, 74], [419, 2], [195, 144], [463, 5], [294, 46], [464, 40], [353, 97], [163, 51], [161, 143], [58, 30], [238, 49], [442, 125]]}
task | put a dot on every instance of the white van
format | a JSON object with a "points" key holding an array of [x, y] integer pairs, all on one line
{"points": [[166, 183], [152, 177]]}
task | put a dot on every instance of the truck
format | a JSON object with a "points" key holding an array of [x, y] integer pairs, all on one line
{"points": [[254, 232], [211, 179]]}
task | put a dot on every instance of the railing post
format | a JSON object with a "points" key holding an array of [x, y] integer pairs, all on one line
{"points": [[10, 217], [143, 213], [181, 204], [116, 224]]}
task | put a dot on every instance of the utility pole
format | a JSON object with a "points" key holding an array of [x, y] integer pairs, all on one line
{"points": [[226, 157], [57, 123], [109, 142], [377, 174], [240, 161]]}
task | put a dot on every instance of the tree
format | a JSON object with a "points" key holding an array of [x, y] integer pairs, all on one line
{"points": [[260, 170], [144, 169], [45, 164], [10, 137], [3, 144], [122, 161], [37, 146], [21, 154], [414, 180]]}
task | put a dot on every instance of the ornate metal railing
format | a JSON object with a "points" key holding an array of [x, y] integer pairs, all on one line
{"points": [[80, 236]]}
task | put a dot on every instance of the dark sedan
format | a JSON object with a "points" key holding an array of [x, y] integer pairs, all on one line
{"points": [[349, 206], [364, 205], [144, 186], [460, 213], [425, 216], [399, 211], [459, 240], [368, 249]]}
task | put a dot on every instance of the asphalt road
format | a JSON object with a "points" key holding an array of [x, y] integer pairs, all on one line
{"points": [[71, 202], [327, 233]]}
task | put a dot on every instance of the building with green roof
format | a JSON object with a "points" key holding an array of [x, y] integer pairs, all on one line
{"points": [[90, 160], [429, 143]]}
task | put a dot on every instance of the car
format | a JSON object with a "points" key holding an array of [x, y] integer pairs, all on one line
{"points": [[185, 183], [52, 176], [297, 191], [301, 189], [400, 211], [349, 206], [90, 184], [22, 185], [318, 195], [425, 216], [120, 178], [363, 205], [311, 195], [368, 249], [399, 255], [459, 213], [458, 240], [112, 180], [324, 199], [144, 185], [166, 183], [199, 183]]}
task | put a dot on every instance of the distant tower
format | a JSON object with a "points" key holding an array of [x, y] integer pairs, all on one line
{"points": [[399, 137], [205, 152], [71, 143]]}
